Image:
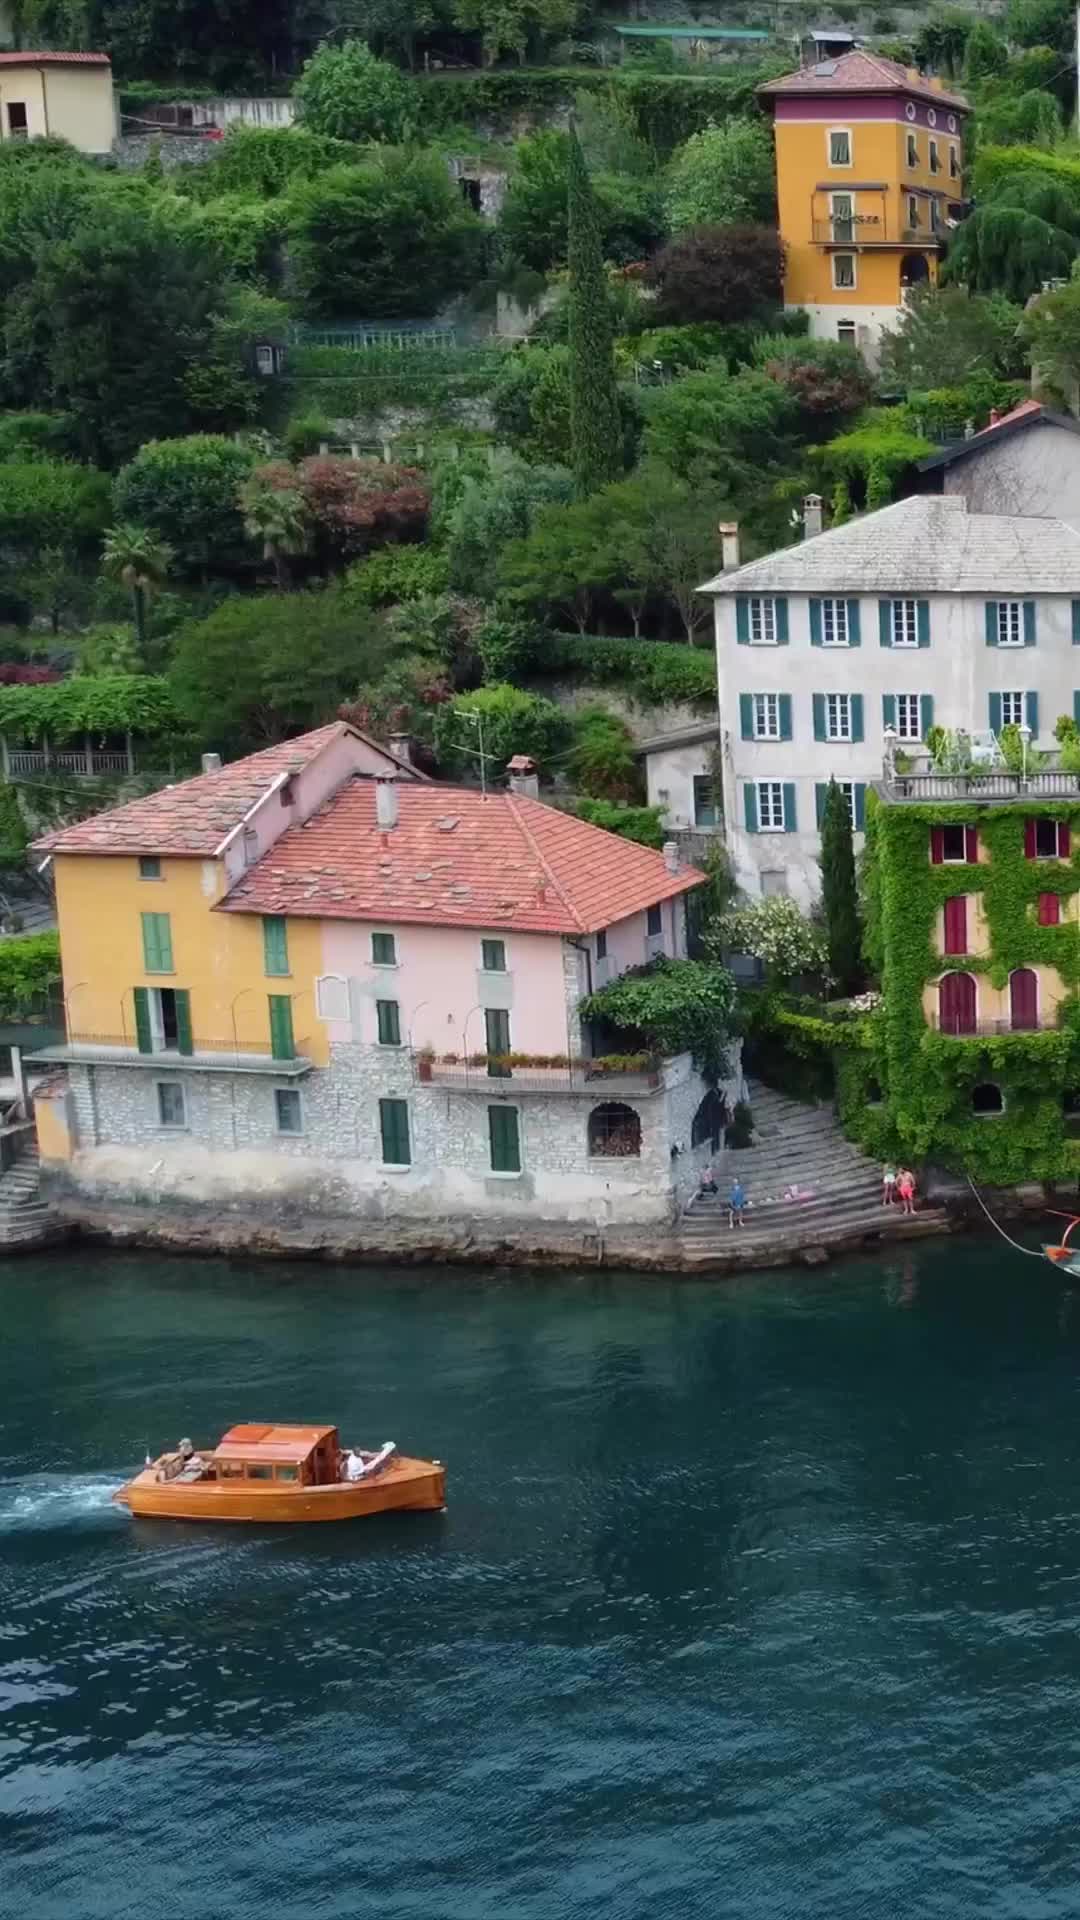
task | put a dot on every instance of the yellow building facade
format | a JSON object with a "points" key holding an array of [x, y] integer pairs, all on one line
{"points": [[870, 177], [66, 96]]}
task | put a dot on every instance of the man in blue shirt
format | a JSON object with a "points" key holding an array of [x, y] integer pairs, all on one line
{"points": [[736, 1202]]}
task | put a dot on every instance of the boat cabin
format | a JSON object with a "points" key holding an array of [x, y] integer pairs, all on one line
{"points": [[305, 1456]]}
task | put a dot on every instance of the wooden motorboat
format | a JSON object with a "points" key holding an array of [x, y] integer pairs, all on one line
{"points": [[276, 1473]]}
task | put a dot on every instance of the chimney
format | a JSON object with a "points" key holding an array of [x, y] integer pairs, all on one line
{"points": [[523, 777], [386, 807], [729, 545], [811, 515], [401, 747], [671, 856], [994, 417], [211, 763]]}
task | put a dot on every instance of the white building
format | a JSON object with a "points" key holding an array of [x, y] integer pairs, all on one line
{"points": [[679, 777], [1026, 461], [920, 615]]}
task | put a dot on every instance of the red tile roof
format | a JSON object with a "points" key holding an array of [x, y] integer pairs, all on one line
{"points": [[861, 72], [194, 816], [50, 59], [456, 858]]}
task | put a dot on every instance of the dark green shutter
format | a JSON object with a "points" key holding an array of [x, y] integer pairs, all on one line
{"points": [[1076, 623], [1076, 708], [821, 788], [742, 620], [815, 623], [750, 806], [143, 1036], [854, 624], [157, 943], [995, 713], [789, 806], [856, 717], [781, 621], [275, 944], [389, 1019], [926, 713], [394, 1128], [884, 621], [505, 1140], [991, 623], [888, 710], [819, 716], [746, 715], [282, 1045], [922, 616], [1031, 712], [860, 805], [184, 1042], [785, 716], [1029, 623]]}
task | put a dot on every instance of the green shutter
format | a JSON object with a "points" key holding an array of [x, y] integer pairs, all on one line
{"points": [[995, 713], [781, 620], [746, 715], [888, 710], [750, 806], [394, 1128], [926, 713], [1076, 708], [282, 1045], [789, 806], [275, 944], [922, 616], [143, 1036], [505, 1140], [991, 623], [388, 1015], [819, 716], [854, 624], [1029, 623], [821, 788], [856, 717], [1031, 712], [815, 623], [860, 805], [184, 1041], [742, 620], [884, 621], [157, 943], [785, 716], [1076, 623]]}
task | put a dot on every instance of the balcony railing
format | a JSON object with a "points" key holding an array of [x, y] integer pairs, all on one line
{"points": [[974, 1029], [493, 1074], [25, 761], [995, 784], [122, 1050]]}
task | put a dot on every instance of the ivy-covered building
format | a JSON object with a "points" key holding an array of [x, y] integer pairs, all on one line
{"points": [[973, 896]]}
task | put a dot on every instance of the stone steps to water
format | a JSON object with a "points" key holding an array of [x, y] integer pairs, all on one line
{"points": [[25, 1218]]}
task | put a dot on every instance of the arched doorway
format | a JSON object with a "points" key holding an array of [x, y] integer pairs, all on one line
{"points": [[914, 270], [1023, 1000], [615, 1131], [709, 1121], [956, 1003]]}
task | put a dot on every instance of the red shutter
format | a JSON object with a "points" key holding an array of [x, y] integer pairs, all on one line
{"points": [[1063, 840], [971, 844], [1049, 909], [1029, 839], [956, 924], [937, 845]]}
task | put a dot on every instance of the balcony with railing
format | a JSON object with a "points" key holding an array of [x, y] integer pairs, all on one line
{"points": [[206, 1056], [627, 1076], [963, 1029], [914, 778], [86, 760]]}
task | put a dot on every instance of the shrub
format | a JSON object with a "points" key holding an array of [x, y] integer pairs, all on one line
{"points": [[396, 573], [774, 932], [29, 973], [513, 722], [345, 93], [643, 824], [603, 762], [650, 670], [187, 490]]}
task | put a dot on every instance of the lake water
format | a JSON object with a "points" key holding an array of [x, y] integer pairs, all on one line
{"points": [[754, 1599]]}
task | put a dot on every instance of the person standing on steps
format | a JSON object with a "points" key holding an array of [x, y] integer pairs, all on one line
{"points": [[905, 1187], [736, 1203], [888, 1184]]}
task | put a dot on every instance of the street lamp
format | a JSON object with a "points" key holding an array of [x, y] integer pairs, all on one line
{"points": [[1025, 735]]}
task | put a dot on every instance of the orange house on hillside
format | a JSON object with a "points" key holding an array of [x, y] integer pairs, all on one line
{"points": [[870, 179]]}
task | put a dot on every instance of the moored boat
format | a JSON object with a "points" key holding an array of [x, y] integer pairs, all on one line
{"points": [[281, 1473]]}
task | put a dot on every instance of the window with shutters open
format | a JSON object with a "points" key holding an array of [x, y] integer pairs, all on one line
{"points": [[770, 806], [766, 716], [762, 613], [834, 623], [394, 1133], [505, 1139], [838, 716], [905, 623], [157, 943], [1012, 709], [1010, 627], [908, 722]]}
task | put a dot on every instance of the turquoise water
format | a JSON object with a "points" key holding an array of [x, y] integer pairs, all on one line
{"points": [[753, 1599]]}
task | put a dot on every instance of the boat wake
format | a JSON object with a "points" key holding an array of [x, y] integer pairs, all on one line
{"points": [[55, 1499]]}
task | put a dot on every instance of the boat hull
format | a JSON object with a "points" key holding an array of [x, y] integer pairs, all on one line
{"points": [[405, 1486]]}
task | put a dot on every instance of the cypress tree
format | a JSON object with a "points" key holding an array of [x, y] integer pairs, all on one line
{"points": [[595, 428], [839, 896]]}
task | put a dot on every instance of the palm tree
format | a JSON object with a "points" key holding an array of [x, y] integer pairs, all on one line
{"points": [[136, 556], [277, 517]]}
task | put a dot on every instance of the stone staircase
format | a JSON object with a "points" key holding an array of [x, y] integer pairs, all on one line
{"points": [[795, 1145], [25, 1219]]}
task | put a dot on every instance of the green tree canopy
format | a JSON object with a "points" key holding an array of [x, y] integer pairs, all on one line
{"points": [[507, 26], [722, 176], [1024, 230], [51, 503], [1051, 329], [357, 236], [595, 449], [187, 491], [727, 432], [533, 224], [512, 722], [985, 56], [499, 505], [345, 93], [944, 334]]}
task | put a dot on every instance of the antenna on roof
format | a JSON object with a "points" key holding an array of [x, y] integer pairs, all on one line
{"points": [[476, 720]]}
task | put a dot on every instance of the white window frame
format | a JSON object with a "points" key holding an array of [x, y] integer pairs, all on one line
{"points": [[830, 135], [288, 1133], [845, 286], [766, 716], [954, 860], [1010, 623], [846, 333], [1013, 715], [770, 801], [838, 716], [761, 615], [847, 788], [907, 705], [904, 618], [834, 616], [172, 1086], [913, 159], [934, 160]]}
